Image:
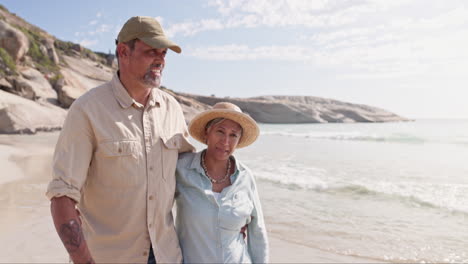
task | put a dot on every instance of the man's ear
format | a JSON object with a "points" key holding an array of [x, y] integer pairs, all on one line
{"points": [[122, 50]]}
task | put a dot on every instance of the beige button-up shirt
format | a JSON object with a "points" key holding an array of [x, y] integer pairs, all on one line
{"points": [[117, 159]]}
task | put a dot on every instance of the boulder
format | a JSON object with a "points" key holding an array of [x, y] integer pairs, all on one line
{"points": [[32, 85], [13, 41], [80, 76], [19, 115], [48, 44], [68, 90], [89, 73], [77, 47], [6, 85]]}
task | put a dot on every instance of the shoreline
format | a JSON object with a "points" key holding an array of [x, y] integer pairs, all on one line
{"points": [[284, 251]]}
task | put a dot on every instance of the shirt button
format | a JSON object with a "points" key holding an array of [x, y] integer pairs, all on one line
{"points": [[145, 253], [120, 150], [150, 225], [151, 168], [150, 197]]}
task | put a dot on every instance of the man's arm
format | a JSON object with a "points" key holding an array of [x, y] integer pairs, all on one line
{"points": [[68, 225]]}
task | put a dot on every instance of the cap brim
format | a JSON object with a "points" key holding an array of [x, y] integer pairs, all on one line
{"points": [[250, 128], [161, 42]]}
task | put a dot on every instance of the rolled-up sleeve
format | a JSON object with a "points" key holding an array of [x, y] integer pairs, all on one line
{"points": [[256, 231], [72, 156]]}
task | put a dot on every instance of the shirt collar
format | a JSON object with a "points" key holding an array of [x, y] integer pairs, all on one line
{"points": [[125, 100], [155, 97], [121, 94]]}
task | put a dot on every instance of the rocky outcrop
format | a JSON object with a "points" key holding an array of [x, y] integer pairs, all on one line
{"points": [[303, 109], [190, 106], [5, 85], [33, 85], [78, 77], [13, 41], [30, 84], [19, 115], [49, 50]]}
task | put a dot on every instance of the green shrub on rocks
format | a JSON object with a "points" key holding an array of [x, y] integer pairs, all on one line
{"points": [[64, 46], [41, 60], [6, 62]]}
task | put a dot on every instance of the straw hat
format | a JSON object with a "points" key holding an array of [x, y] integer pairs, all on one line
{"points": [[250, 130], [148, 30]]}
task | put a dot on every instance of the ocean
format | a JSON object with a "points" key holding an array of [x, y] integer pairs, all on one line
{"points": [[371, 192], [394, 192]]}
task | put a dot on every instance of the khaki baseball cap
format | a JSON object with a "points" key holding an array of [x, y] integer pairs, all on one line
{"points": [[148, 30]]}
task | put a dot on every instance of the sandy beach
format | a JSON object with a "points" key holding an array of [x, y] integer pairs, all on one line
{"points": [[28, 234]]}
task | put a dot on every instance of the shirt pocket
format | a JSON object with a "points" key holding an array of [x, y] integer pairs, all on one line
{"points": [[236, 212], [170, 152], [117, 163]]}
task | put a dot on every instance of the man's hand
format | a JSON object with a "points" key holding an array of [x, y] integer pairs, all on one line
{"points": [[244, 231]]}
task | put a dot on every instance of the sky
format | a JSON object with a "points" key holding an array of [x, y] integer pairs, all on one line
{"points": [[409, 57]]}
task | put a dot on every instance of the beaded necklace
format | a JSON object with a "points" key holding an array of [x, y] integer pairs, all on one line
{"points": [[208, 175]]}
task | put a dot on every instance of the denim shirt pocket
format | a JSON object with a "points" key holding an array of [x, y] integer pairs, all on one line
{"points": [[236, 212]]}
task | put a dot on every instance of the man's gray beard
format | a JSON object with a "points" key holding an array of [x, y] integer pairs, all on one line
{"points": [[152, 82]]}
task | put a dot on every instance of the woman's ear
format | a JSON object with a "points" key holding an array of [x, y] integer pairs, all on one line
{"points": [[205, 136]]}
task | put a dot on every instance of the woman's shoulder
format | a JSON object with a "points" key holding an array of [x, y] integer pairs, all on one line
{"points": [[186, 159], [245, 171]]}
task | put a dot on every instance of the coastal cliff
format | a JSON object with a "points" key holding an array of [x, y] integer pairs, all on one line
{"points": [[41, 76]]}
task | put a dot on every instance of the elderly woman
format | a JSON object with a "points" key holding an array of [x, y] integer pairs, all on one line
{"points": [[217, 195]]}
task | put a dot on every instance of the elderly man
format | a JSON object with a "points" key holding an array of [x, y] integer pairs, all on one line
{"points": [[113, 170]]}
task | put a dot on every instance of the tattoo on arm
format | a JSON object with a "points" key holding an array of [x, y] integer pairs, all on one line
{"points": [[71, 235]]}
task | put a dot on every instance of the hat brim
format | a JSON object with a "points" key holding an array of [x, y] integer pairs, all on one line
{"points": [[160, 43], [250, 129]]}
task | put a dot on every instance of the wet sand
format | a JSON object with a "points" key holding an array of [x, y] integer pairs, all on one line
{"points": [[28, 234]]}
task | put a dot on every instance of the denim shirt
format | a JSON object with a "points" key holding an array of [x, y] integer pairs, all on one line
{"points": [[209, 228]]}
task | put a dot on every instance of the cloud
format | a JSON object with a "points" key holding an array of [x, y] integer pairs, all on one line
{"points": [[234, 52], [398, 45], [88, 43], [281, 13], [97, 30], [278, 13], [191, 28], [362, 52]]}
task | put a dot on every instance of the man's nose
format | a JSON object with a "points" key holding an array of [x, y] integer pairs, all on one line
{"points": [[160, 59]]}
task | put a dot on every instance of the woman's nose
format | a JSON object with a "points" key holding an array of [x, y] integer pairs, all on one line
{"points": [[225, 140]]}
